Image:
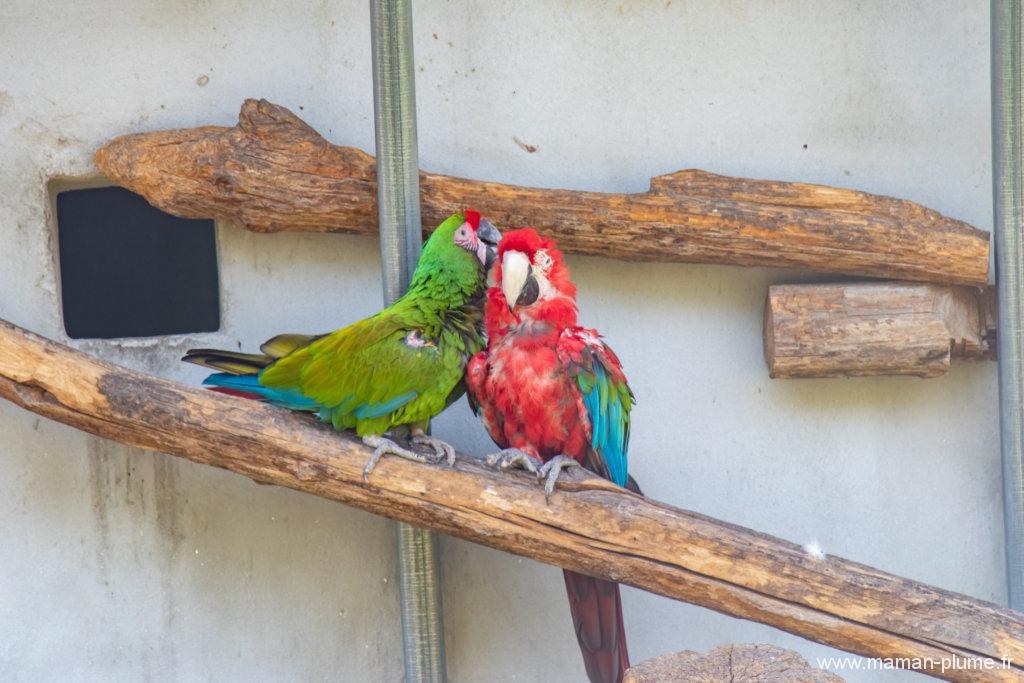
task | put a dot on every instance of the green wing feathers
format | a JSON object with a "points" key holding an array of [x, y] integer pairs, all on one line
{"points": [[399, 367], [283, 344], [373, 375]]}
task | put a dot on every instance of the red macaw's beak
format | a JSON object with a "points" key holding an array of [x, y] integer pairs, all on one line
{"points": [[518, 283], [489, 236]]}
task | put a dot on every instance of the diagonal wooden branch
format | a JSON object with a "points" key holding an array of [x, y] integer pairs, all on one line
{"points": [[273, 172], [589, 526]]}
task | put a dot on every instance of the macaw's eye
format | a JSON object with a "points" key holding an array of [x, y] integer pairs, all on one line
{"points": [[542, 259]]}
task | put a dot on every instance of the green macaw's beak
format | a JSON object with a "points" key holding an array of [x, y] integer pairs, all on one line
{"points": [[488, 233], [489, 236], [490, 256]]}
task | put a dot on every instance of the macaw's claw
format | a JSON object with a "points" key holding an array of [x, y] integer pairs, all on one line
{"points": [[442, 449], [551, 469], [509, 458], [382, 447]]}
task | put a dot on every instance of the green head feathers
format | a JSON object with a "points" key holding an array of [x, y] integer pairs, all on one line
{"points": [[454, 262]]}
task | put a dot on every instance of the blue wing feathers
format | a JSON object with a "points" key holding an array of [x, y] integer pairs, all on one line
{"points": [[608, 418], [592, 400], [368, 411], [616, 443]]}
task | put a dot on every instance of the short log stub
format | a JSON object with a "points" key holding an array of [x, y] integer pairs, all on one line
{"points": [[745, 663], [868, 328]]}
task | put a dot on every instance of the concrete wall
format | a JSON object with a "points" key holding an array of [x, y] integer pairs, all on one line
{"points": [[120, 564]]}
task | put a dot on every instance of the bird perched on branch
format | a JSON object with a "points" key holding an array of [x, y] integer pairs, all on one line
{"points": [[391, 372], [553, 395]]}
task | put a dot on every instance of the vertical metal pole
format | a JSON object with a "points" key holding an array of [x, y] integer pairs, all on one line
{"points": [[1008, 194], [398, 207], [394, 109]]}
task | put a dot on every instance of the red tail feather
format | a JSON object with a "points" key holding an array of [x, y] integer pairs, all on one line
{"points": [[597, 615]]}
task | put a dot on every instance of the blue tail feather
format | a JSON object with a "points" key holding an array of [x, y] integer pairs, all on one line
{"points": [[293, 400]]}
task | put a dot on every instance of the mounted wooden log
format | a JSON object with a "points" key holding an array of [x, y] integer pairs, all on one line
{"points": [[589, 525], [745, 663], [886, 328], [273, 172]]}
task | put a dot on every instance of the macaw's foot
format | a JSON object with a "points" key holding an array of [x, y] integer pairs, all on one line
{"points": [[383, 446], [551, 469], [509, 458], [442, 449]]}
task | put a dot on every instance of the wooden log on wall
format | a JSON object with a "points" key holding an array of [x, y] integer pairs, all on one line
{"points": [[886, 328], [589, 525], [742, 663], [273, 172]]}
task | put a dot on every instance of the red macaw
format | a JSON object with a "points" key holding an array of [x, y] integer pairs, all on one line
{"points": [[553, 395]]}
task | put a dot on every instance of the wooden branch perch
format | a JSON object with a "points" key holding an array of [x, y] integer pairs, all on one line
{"points": [[273, 172], [887, 328], [589, 526]]}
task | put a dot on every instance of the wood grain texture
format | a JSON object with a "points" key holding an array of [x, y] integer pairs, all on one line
{"points": [[589, 526], [886, 328], [746, 663], [273, 172]]}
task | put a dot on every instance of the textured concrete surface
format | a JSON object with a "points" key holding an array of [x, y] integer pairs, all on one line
{"points": [[119, 564]]}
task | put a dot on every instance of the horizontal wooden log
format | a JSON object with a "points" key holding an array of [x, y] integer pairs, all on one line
{"points": [[589, 525], [273, 172], [746, 663], [886, 328]]}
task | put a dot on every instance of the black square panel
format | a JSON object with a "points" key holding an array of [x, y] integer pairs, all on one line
{"points": [[130, 270]]}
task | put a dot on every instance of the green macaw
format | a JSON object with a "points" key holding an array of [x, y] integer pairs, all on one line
{"points": [[392, 371]]}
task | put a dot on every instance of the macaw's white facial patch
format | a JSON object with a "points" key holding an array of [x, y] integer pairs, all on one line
{"points": [[545, 290], [466, 237], [542, 260]]}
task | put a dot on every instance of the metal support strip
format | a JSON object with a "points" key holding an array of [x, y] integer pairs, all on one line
{"points": [[1008, 193]]}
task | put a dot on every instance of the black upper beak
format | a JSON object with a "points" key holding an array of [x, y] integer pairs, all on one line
{"points": [[490, 236], [490, 256], [487, 233], [530, 291]]}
